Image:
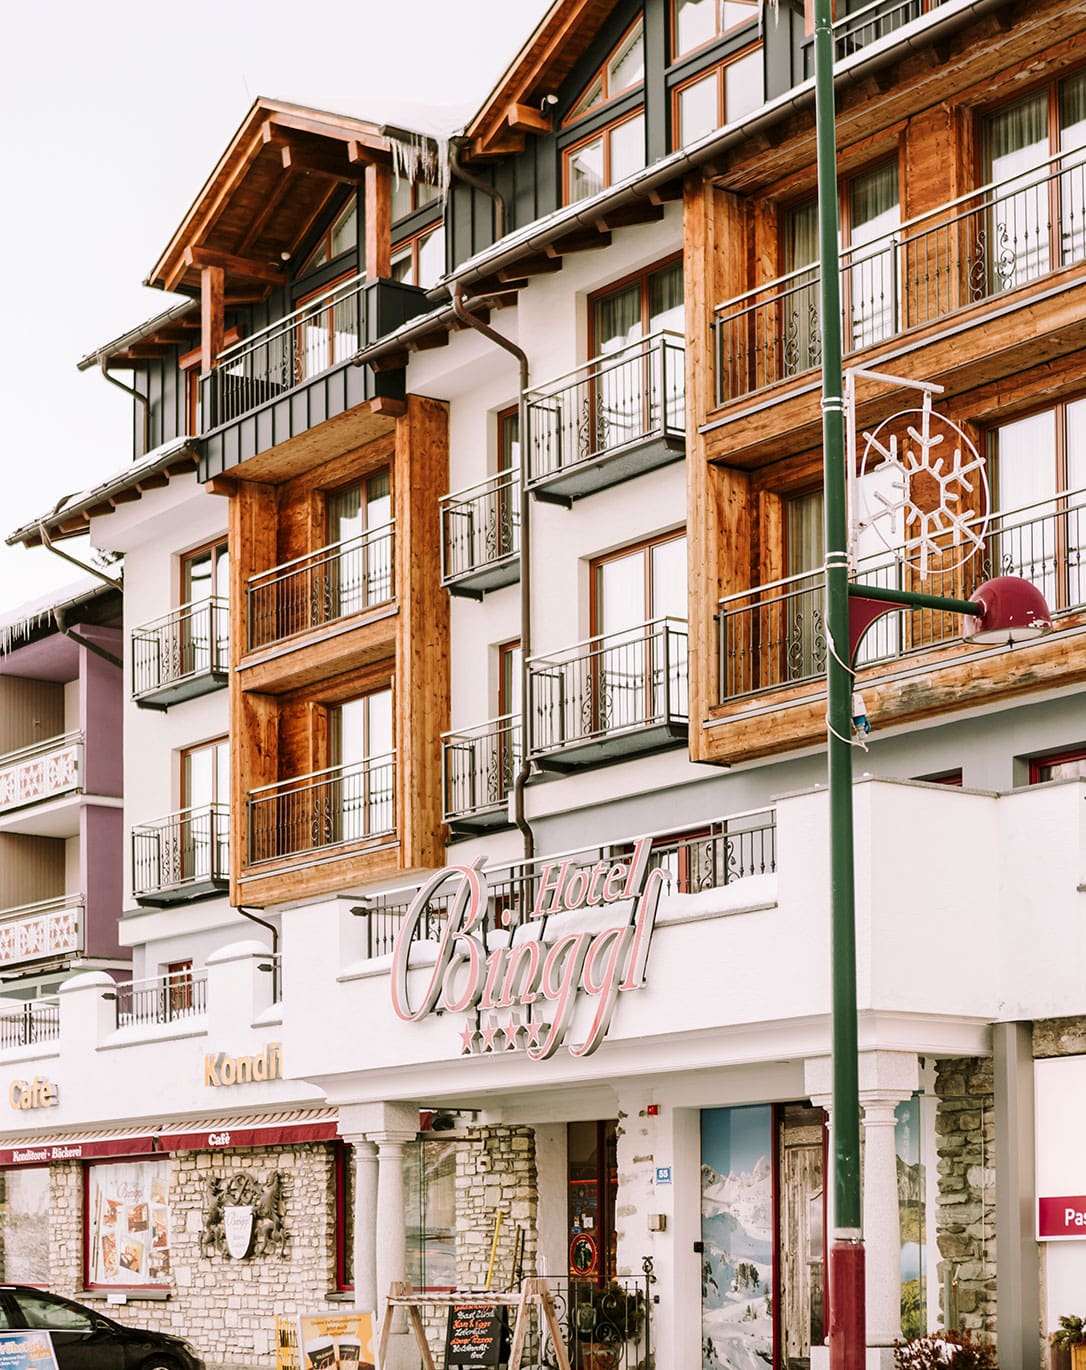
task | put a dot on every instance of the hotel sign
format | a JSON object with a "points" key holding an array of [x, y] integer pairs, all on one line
{"points": [[546, 978]]}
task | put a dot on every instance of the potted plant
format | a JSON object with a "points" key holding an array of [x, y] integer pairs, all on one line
{"points": [[603, 1318], [1067, 1345]]}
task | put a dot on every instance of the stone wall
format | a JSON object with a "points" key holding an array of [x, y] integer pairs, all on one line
{"points": [[965, 1217], [495, 1172], [226, 1308], [1060, 1037]]}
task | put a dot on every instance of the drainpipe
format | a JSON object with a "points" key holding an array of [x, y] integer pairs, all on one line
{"points": [[142, 400], [499, 339], [456, 146], [255, 918], [59, 617]]}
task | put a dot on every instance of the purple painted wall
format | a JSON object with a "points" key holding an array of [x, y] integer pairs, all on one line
{"points": [[101, 711], [101, 835]]}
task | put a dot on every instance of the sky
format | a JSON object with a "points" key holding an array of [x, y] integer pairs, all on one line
{"points": [[116, 114]]}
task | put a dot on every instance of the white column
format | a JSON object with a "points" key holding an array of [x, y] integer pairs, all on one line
{"points": [[392, 1240], [882, 1224], [365, 1224]]}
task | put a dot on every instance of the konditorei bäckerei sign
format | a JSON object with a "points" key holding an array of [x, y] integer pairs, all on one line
{"points": [[466, 977]]}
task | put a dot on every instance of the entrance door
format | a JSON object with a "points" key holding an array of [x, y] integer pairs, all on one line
{"points": [[802, 1235]]}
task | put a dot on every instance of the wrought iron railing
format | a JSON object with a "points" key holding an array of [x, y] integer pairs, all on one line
{"points": [[609, 684], [480, 526], [191, 847], [775, 634], [27, 1022], [192, 640], [708, 856], [45, 928], [161, 998], [322, 332], [625, 397], [42, 770], [869, 24], [607, 1326], [318, 588], [479, 766], [992, 240], [333, 807]]}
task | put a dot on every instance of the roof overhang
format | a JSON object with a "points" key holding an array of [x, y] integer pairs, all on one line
{"points": [[177, 326]]}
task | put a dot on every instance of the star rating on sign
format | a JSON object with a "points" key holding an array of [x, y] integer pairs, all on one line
{"points": [[494, 1035]]}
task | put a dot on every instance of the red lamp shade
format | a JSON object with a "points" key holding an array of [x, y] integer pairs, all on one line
{"points": [[1011, 610]]}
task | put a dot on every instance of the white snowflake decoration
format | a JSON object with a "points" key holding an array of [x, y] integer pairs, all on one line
{"points": [[936, 449]]}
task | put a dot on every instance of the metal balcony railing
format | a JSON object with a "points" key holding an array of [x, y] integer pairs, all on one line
{"points": [[480, 527], [479, 766], [161, 998], [775, 634], [611, 684], [193, 640], [870, 23], [322, 332], [344, 578], [27, 1022], [183, 851], [333, 807], [712, 855], [45, 929], [41, 771], [623, 398], [994, 239]]}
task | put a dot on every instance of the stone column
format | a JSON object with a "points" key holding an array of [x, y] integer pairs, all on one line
{"points": [[365, 1224]]}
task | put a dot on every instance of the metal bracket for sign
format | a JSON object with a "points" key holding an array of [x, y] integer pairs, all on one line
{"points": [[534, 1294]]}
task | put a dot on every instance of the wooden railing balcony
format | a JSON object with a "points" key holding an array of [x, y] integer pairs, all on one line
{"points": [[44, 930], [311, 591], [480, 536], [479, 766], [185, 855], [341, 806], [774, 635], [971, 250], [161, 999], [43, 771], [181, 655], [610, 697], [613, 418], [30, 1021]]}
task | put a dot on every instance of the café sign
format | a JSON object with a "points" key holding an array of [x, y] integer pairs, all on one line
{"points": [[551, 975]]}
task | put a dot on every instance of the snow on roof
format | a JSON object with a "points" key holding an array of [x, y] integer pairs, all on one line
{"points": [[18, 624]]}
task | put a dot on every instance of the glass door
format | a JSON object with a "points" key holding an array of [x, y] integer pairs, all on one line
{"points": [[203, 828], [361, 788], [359, 558], [204, 627]]}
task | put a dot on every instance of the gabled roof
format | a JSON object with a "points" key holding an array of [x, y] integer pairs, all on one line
{"points": [[177, 326], [264, 196]]}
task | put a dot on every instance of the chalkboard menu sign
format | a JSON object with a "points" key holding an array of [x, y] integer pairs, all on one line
{"points": [[477, 1335]]}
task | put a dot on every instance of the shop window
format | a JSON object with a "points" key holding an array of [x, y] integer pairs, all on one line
{"points": [[340, 236], [720, 96], [592, 1170], [343, 1160], [420, 259], [430, 1209], [128, 1223], [1069, 765], [24, 1225], [697, 22], [624, 69], [605, 158], [1040, 490]]}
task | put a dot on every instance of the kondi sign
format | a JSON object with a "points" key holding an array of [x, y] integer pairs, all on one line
{"points": [[545, 978]]}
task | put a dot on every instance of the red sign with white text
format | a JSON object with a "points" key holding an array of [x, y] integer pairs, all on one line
{"points": [[1061, 1216]]}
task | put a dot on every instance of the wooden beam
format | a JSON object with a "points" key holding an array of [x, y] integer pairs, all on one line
{"points": [[392, 409], [177, 333], [527, 119], [431, 340], [391, 361], [329, 163], [244, 267], [361, 153], [155, 481], [580, 240], [267, 209], [536, 265], [640, 212], [221, 485], [212, 290], [378, 219], [141, 351], [499, 145], [666, 194], [281, 121]]}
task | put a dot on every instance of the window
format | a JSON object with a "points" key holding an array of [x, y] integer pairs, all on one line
{"points": [[24, 1225], [359, 563], [408, 196], [420, 260], [1037, 218], [203, 824], [430, 1211], [1057, 766], [697, 22], [720, 96], [510, 682], [605, 158], [47, 1311], [339, 237], [128, 1223], [204, 627], [361, 746], [327, 329], [592, 1170], [509, 439], [1040, 490], [345, 1191], [178, 990], [624, 69]]}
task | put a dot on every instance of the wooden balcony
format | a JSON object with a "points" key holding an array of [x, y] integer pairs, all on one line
{"points": [[615, 417], [479, 766], [480, 536], [47, 930], [974, 285], [182, 655], [610, 697], [342, 806], [181, 857]]}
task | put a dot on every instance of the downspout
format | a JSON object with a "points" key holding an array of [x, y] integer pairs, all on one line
{"points": [[142, 400], [525, 771], [62, 627], [255, 918], [458, 169]]}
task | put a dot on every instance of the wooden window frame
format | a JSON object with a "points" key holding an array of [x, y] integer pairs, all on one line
{"points": [[325, 239], [719, 33], [416, 207], [412, 243], [643, 277], [178, 985], [607, 96], [600, 134], [218, 547], [717, 69], [645, 545], [184, 753]]}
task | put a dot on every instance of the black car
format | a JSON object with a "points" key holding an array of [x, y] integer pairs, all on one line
{"points": [[85, 1339]]}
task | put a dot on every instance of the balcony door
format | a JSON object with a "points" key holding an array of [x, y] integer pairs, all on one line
{"points": [[203, 824], [358, 572], [204, 629], [360, 786], [636, 669]]}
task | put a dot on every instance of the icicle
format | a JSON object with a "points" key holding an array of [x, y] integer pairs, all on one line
{"points": [[420, 155]]}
